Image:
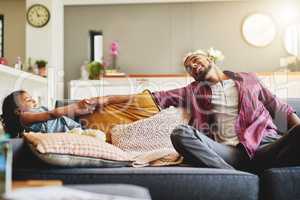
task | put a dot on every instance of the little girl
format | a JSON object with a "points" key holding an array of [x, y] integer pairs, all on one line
{"points": [[21, 113]]}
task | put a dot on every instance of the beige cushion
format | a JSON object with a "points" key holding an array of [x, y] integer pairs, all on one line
{"points": [[75, 150], [148, 134]]}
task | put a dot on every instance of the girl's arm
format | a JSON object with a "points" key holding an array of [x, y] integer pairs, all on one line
{"points": [[82, 107], [112, 99], [27, 118]]}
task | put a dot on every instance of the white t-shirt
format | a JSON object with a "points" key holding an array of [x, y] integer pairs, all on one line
{"points": [[225, 108]]}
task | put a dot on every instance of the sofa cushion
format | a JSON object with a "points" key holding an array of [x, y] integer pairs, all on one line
{"points": [[72, 150], [281, 183], [176, 183]]}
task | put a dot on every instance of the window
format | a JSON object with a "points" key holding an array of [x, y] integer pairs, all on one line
{"points": [[1, 36], [96, 44]]}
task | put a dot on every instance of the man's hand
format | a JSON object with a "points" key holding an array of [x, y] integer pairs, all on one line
{"points": [[99, 102], [83, 107]]}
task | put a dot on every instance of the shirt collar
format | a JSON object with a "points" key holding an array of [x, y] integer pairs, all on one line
{"points": [[232, 75]]}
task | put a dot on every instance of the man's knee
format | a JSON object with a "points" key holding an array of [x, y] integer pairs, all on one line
{"points": [[180, 132]]}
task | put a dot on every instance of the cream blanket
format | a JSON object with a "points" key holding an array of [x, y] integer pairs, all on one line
{"points": [[160, 157], [148, 140]]}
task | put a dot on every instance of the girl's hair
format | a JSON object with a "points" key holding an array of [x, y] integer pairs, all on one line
{"points": [[10, 117]]}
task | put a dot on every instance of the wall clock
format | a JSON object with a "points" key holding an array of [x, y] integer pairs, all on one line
{"points": [[38, 15], [259, 30]]}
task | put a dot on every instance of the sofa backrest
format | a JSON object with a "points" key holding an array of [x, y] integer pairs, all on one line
{"points": [[281, 124], [295, 103], [64, 102]]}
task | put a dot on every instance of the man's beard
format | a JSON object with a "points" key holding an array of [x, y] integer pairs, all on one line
{"points": [[201, 75]]}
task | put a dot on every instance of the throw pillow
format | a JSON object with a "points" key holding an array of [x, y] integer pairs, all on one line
{"points": [[72, 150], [141, 106], [148, 134]]}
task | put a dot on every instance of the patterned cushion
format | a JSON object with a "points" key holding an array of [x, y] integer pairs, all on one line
{"points": [[65, 149], [148, 134]]}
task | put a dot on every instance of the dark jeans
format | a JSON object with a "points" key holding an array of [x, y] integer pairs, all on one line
{"points": [[200, 150]]}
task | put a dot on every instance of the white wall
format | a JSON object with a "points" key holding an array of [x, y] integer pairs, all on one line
{"points": [[44, 43], [38, 40], [48, 42]]}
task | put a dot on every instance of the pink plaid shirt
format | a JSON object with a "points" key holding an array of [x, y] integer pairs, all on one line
{"points": [[258, 110]]}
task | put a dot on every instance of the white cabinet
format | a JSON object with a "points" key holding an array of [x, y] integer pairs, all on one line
{"points": [[283, 85], [162, 83], [83, 89], [79, 89]]}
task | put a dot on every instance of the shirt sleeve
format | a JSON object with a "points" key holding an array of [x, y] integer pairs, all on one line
{"points": [[278, 109], [175, 97], [273, 103]]}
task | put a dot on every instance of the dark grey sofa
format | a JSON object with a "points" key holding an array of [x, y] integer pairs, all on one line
{"points": [[281, 183], [172, 183]]}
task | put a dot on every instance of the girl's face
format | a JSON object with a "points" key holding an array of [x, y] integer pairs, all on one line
{"points": [[26, 102]]}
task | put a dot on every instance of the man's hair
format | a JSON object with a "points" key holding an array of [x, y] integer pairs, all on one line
{"points": [[10, 117], [192, 55]]}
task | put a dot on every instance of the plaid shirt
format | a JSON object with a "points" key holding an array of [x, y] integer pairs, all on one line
{"points": [[258, 109]]}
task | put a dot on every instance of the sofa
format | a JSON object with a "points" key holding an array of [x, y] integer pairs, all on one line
{"points": [[173, 183]]}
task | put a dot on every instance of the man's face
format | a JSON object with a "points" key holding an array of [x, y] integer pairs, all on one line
{"points": [[198, 66]]}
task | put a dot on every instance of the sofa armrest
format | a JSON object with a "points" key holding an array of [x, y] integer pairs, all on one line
{"points": [[23, 158], [17, 147]]}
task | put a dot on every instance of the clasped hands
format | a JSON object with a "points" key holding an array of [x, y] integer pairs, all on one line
{"points": [[88, 106]]}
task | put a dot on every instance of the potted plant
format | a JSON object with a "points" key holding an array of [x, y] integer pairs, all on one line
{"points": [[96, 70], [41, 65]]}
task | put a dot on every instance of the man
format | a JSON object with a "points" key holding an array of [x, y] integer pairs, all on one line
{"points": [[231, 123], [232, 119]]}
